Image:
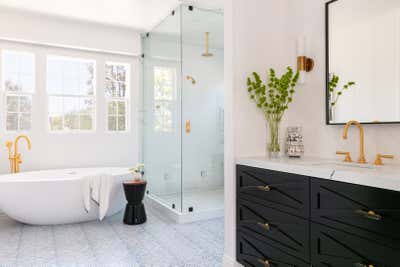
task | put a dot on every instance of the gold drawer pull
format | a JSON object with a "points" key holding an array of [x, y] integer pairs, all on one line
{"points": [[370, 215], [363, 265], [266, 188], [265, 226], [265, 262]]}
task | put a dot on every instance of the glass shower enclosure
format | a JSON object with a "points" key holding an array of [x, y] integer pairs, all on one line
{"points": [[183, 111]]}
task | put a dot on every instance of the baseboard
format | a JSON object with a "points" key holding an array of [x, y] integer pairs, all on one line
{"points": [[228, 261]]}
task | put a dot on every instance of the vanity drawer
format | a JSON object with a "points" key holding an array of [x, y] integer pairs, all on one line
{"points": [[283, 191], [286, 232], [369, 211], [254, 253], [331, 247]]}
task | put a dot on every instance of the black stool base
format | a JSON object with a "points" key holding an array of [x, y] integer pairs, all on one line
{"points": [[135, 214]]}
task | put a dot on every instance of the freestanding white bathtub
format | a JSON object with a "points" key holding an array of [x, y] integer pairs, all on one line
{"points": [[55, 196]]}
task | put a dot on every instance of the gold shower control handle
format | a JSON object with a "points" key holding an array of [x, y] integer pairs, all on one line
{"points": [[188, 126]]}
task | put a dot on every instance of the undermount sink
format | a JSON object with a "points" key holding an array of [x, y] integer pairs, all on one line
{"points": [[344, 164]]}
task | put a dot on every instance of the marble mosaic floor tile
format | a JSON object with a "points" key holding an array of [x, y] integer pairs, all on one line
{"points": [[157, 243]]}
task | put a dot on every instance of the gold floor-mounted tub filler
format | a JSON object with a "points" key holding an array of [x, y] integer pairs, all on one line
{"points": [[15, 156]]}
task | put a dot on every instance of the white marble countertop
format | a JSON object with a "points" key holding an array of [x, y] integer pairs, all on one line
{"points": [[385, 177]]}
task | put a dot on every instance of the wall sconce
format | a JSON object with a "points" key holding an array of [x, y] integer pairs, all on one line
{"points": [[304, 64]]}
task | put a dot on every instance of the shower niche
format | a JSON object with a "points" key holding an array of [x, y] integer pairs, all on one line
{"points": [[182, 121]]}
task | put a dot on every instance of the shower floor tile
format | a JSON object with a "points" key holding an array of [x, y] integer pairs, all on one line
{"points": [[157, 243]]}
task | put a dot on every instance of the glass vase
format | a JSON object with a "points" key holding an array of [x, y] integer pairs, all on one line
{"points": [[274, 146]]}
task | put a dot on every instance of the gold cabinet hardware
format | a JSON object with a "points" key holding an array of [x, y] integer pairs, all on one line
{"points": [[347, 154], [188, 126], [265, 263], [361, 159], [363, 265], [266, 188], [379, 157], [369, 215], [265, 226], [15, 157]]}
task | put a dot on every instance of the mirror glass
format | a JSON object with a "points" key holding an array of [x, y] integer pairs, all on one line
{"points": [[363, 61]]}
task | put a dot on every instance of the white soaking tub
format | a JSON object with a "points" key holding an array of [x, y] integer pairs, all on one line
{"points": [[56, 196]]}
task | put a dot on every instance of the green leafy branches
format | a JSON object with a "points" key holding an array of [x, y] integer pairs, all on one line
{"points": [[333, 84], [274, 97]]}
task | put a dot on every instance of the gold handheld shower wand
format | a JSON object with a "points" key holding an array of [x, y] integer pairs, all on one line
{"points": [[207, 52]]}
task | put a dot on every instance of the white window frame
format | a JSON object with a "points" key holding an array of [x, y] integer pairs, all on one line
{"points": [[126, 99], [94, 96], [17, 94], [163, 130]]}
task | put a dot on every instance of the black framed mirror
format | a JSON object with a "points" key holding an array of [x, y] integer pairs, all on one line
{"points": [[363, 61]]}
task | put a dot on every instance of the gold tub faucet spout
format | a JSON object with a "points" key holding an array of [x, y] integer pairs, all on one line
{"points": [[15, 157], [361, 159]]}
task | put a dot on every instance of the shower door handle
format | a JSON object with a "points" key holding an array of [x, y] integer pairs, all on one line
{"points": [[188, 126]]}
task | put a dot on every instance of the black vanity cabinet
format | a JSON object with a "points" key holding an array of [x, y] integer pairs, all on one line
{"points": [[292, 220]]}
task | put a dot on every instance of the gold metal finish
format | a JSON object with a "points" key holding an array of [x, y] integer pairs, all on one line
{"points": [[266, 188], [190, 78], [379, 157], [370, 215], [15, 157], [265, 263], [361, 129], [207, 52], [305, 64], [266, 226], [347, 154], [188, 126]]}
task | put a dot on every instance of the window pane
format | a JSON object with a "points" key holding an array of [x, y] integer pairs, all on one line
{"points": [[86, 122], [164, 83], [12, 103], [70, 76], [56, 123], [12, 122], [121, 76], [112, 123], [115, 81], [19, 71], [86, 106], [25, 121], [112, 108], [111, 88], [121, 108], [71, 121], [25, 104], [121, 123]]}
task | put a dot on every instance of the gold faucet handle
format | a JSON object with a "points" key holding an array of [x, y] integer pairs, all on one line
{"points": [[379, 157], [347, 154]]}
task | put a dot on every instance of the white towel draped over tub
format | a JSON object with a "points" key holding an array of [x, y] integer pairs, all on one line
{"points": [[97, 188]]}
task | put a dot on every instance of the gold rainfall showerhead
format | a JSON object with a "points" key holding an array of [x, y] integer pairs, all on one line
{"points": [[207, 52]]}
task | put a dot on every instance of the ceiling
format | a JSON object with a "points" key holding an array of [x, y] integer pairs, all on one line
{"points": [[136, 14]]}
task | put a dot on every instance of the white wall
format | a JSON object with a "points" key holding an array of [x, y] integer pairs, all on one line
{"points": [[255, 32], [260, 34], [40, 28], [72, 150]]}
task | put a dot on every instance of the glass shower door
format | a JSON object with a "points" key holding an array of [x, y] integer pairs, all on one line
{"points": [[162, 111], [202, 109]]}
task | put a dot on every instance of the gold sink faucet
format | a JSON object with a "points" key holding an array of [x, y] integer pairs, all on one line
{"points": [[15, 158], [361, 129]]}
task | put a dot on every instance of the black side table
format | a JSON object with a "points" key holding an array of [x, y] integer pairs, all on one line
{"points": [[134, 193]]}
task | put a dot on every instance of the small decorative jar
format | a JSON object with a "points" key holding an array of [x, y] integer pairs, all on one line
{"points": [[294, 142]]}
